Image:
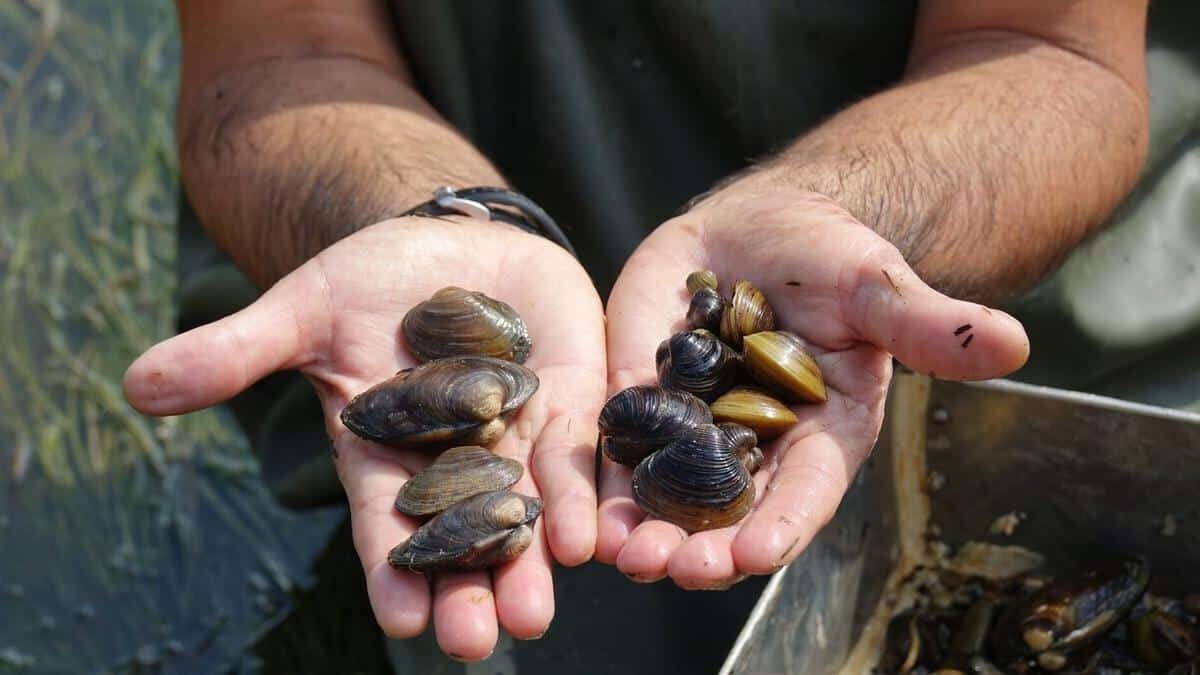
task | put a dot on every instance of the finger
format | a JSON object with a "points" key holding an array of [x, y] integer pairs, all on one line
{"points": [[928, 331], [564, 465], [212, 363], [803, 494], [644, 557], [569, 358], [399, 598], [618, 514], [524, 586], [705, 560], [525, 589], [464, 615]]}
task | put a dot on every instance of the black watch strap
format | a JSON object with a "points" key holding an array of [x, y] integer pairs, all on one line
{"points": [[478, 202]]}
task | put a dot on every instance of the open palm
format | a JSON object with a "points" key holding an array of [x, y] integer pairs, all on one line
{"points": [[854, 300], [336, 319]]}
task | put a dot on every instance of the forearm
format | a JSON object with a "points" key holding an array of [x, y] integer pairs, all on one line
{"points": [[985, 166], [283, 156]]}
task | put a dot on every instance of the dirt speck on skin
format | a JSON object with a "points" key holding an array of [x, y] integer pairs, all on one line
{"points": [[891, 281]]}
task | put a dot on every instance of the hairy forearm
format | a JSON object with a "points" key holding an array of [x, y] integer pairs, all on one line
{"points": [[283, 157], [985, 166]]}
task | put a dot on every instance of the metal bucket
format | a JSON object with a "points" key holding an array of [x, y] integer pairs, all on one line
{"points": [[1091, 474]]}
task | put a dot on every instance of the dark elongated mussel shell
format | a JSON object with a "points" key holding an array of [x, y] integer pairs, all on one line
{"points": [[639, 420], [696, 482], [479, 532], [456, 474], [697, 362], [458, 322], [1162, 640], [705, 310], [748, 312], [1072, 613], [459, 400]]}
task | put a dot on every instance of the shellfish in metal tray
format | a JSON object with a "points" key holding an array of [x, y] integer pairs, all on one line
{"points": [[483, 531], [453, 401]]}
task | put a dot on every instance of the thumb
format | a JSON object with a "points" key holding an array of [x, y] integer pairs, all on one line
{"points": [[932, 333], [216, 361]]}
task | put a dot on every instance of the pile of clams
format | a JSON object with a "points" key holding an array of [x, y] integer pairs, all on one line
{"points": [[723, 384], [1100, 621], [469, 383]]}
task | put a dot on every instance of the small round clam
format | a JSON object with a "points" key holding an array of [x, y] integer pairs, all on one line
{"points": [[748, 312], [697, 362], [777, 360], [696, 482], [458, 322], [453, 401], [743, 443], [639, 420], [705, 310], [754, 408], [701, 279], [479, 532], [455, 475]]}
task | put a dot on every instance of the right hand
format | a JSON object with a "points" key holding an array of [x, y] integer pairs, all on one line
{"points": [[336, 319]]}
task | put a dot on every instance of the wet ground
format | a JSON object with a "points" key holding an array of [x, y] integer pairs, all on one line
{"points": [[135, 545]]}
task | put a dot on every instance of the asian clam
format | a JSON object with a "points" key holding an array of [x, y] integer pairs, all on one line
{"points": [[692, 439], [459, 398]]}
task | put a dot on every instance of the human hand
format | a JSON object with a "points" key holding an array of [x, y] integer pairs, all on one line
{"points": [[851, 296], [337, 318]]}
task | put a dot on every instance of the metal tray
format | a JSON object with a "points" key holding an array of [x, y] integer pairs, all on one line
{"points": [[1091, 474]]}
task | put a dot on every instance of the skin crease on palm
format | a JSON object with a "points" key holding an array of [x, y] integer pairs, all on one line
{"points": [[336, 319], [855, 301]]}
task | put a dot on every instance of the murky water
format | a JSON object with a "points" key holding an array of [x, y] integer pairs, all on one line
{"points": [[126, 544]]}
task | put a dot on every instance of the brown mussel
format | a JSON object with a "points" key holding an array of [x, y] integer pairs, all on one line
{"points": [[754, 408], [639, 420], [696, 482], [455, 475], [458, 322], [701, 279], [778, 361], [705, 310], [476, 533], [1161, 640], [697, 362], [748, 312], [452, 401], [1072, 614]]}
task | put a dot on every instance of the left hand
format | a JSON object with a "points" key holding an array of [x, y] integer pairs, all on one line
{"points": [[845, 290]]}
